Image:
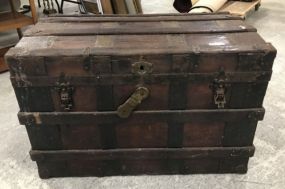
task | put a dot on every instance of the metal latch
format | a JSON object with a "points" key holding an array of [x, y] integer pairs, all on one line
{"points": [[220, 94], [125, 110], [219, 88], [65, 92]]}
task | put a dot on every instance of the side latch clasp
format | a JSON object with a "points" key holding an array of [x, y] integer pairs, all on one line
{"points": [[219, 88], [219, 95], [65, 91]]}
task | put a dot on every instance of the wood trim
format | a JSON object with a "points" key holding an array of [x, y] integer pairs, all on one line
{"points": [[157, 27], [177, 100], [119, 6], [145, 153], [56, 52], [3, 65], [140, 17], [108, 79], [111, 117], [240, 8], [34, 11], [239, 133], [107, 7], [225, 14], [9, 21], [105, 102]]}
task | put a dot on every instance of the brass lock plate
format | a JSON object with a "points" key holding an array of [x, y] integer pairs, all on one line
{"points": [[142, 68]]}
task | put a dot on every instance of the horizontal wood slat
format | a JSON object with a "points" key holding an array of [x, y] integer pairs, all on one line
{"points": [[117, 79], [140, 17], [139, 153], [137, 28], [127, 45], [179, 116]]}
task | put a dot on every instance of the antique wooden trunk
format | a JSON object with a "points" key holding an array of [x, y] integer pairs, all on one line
{"points": [[149, 94]]}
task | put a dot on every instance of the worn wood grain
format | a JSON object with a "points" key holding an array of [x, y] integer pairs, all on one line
{"points": [[150, 153], [179, 116], [101, 60]]}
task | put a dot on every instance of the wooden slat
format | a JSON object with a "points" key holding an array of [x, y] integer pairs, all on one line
{"points": [[48, 169], [105, 102], [119, 6], [177, 100], [179, 116], [107, 7], [140, 17], [117, 45], [3, 65], [158, 27], [225, 14], [34, 11], [240, 8], [237, 77], [138, 154], [138, 6], [9, 21]]}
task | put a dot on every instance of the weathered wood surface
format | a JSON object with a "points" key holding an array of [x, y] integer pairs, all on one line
{"points": [[116, 45], [49, 169], [180, 116], [178, 129], [142, 161], [130, 79], [115, 28], [150, 153]]}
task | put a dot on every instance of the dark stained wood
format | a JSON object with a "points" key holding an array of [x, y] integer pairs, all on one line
{"points": [[234, 164], [138, 153], [3, 65], [138, 18], [105, 99], [192, 160], [177, 100], [203, 134], [82, 137], [49, 169], [239, 133], [170, 27], [179, 116], [26, 99], [71, 73], [117, 45], [116, 79], [137, 133], [48, 138]]}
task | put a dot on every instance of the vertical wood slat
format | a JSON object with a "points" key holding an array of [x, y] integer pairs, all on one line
{"points": [[45, 137], [177, 100], [105, 102], [239, 133]]}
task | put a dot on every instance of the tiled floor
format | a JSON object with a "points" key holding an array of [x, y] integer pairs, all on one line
{"points": [[266, 169]]}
